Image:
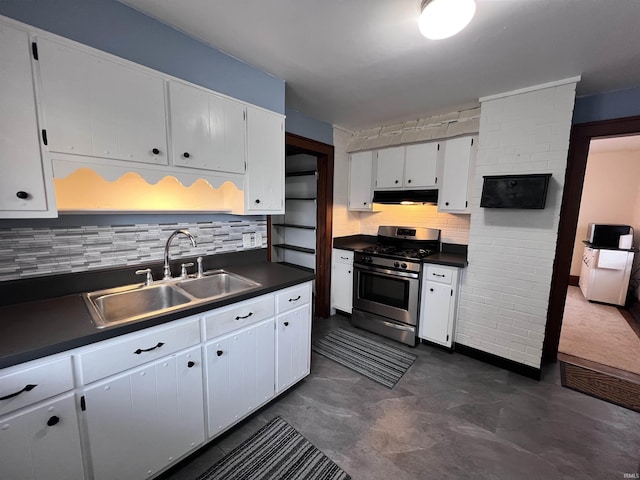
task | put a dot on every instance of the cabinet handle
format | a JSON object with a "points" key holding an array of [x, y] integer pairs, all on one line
{"points": [[27, 388], [344, 258], [140, 350], [22, 195], [431, 289], [437, 275], [219, 353], [409, 181], [295, 299], [364, 203], [446, 203], [257, 200], [246, 316], [186, 155], [348, 271], [190, 364], [156, 151], [53, 421], [286, 324], [396, 181]]}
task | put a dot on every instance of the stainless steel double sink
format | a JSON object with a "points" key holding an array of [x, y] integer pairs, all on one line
{"points": [[137, 302]]}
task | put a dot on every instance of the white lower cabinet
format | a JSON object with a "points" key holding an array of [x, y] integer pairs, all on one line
{"points": [[143, 420], [342, 280], [293, 344], [240, 374], [42, 442], [438, 305]]}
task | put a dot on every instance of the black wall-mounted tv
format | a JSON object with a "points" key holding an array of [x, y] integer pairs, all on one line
{"points": [[515, 191]]}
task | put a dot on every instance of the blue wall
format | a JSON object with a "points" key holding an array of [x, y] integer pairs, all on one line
{"points": [[120, 30], [607, 106], [308, 127]]}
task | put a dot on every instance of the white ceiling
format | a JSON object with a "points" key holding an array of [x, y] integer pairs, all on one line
{"points": [[363, 63]]}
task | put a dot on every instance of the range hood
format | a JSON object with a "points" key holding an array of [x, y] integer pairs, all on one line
{"points": [[397, 197]]}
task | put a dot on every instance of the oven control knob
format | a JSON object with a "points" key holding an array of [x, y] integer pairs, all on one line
{"points": [[369, 259], [404, 265], [396, 264]]}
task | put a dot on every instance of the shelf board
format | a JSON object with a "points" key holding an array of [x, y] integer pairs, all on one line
{"points": [[295, 248], [301, 198], [304, 173], [293, 225]]}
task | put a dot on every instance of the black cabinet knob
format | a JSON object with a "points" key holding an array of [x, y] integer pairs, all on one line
{"points": [[409, 181], [396, 181], [22, 195], [186, 155], [431, 289], [219, 353], [156, 151], [257, 200], [446, 203], [286, 324], [190, 364], [364, 203], [53, 421]]}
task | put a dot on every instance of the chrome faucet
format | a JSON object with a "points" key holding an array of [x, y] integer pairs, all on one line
{"points": [[167, 270]]}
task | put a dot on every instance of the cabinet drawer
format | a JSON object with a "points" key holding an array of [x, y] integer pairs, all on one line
{"points": [[343, 256], [293, 297], [438, 274], [132, 350], [225, 320], [29, 383]]}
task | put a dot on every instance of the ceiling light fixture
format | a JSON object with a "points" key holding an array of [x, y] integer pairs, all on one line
{"points": [[444, 18]]}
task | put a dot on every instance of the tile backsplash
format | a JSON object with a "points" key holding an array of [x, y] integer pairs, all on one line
{"points": [[38, 251]]}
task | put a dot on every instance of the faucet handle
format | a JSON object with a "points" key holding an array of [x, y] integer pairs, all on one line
{"points": [[147, 271], [200, 272], [183, 270]]}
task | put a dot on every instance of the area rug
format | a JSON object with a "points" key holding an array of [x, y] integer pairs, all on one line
{"points": [[598, 333], [381, 362], [275, 452]]}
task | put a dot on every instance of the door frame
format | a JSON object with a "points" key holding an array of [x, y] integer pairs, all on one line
{"points": [[579, 141], [324, 215]]}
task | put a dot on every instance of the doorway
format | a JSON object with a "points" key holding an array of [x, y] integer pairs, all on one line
{"points": [[324, 158], [579, 143]]}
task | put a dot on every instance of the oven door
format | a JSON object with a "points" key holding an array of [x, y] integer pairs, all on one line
{"points": [[387, 293]]}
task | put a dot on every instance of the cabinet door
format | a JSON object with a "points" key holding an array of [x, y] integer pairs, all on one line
{"points": [[265, 162], [421, 165], [436, 313], [293, 345], [22, 182], [240, 374], [42, 443], [459, 158], [390, 167], [208, 131], [97, 107], [360, 188], [342, 286], [145, 419]]}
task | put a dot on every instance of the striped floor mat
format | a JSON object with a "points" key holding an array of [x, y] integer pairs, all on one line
{"points": [[381, 362], [275, 452]]}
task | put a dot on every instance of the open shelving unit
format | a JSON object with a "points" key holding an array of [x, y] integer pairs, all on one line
{"points": [[294, 233]]}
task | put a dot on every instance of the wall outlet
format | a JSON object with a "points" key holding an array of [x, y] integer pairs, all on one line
{"points": [[258, 239], [246, 240]]}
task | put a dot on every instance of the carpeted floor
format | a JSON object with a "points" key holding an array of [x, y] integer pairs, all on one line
{"points": [[598, 333]]}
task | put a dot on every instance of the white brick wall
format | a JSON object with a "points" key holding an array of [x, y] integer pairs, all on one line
{"points": [[505, 289]]}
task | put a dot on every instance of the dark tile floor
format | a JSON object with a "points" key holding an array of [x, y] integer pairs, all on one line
{"points": [[449, 417]]}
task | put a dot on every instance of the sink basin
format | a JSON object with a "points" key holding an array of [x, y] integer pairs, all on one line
{"points": [[126, 304], [216, 284]]}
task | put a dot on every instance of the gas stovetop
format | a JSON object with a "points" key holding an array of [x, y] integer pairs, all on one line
{"points": [[400, 252]]}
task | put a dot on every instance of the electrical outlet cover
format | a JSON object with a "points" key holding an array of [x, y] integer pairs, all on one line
{"points": [[246, 240]]}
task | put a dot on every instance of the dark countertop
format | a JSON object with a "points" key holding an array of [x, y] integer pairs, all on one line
{"points": [[36, 329], [452, 255], [599, 247]]}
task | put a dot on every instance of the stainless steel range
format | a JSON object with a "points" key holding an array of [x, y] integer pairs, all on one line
{"points": [[386, 281]]}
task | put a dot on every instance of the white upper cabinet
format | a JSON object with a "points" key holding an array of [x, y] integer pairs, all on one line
{"points": [[390, 167], [26, 187], [408, 167], [360, 181], [421, 165], [264, 187], [94, 106], [458, 170], [208, 131]]}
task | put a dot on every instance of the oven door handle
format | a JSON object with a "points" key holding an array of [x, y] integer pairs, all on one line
{"points": [[386, 272]]}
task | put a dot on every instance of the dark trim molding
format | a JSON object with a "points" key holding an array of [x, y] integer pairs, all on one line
{"points": [[573, 280], [512, 366], [579, 141], [324, 215]]}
